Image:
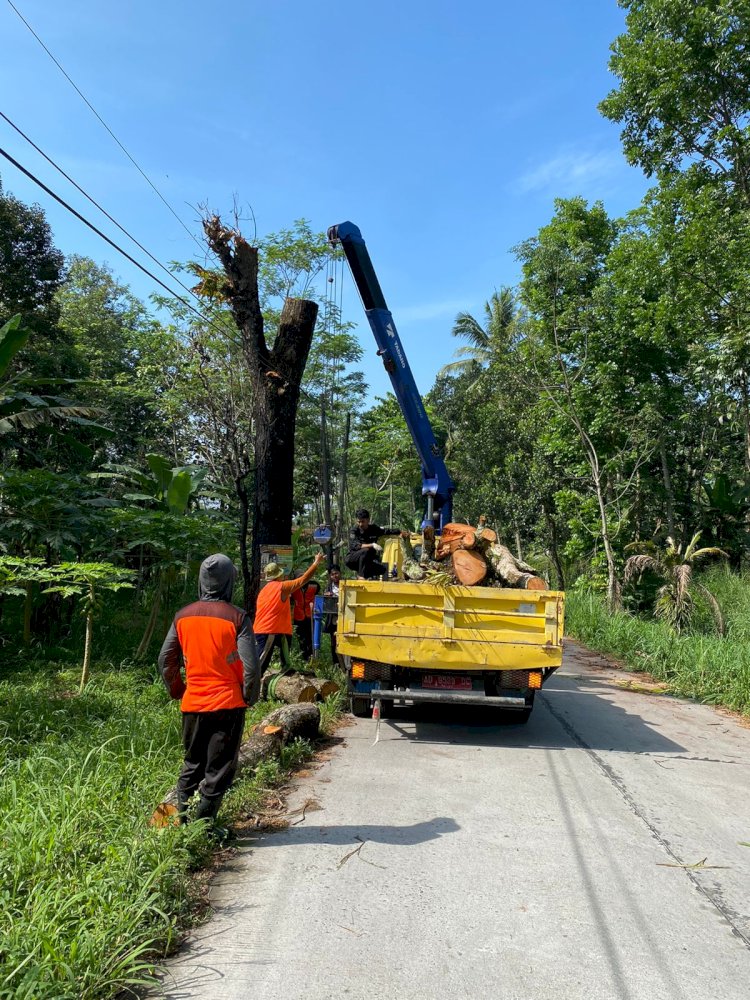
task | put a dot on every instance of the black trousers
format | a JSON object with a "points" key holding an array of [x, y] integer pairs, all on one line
{"points": [[303, 631], [212, 744], [365, 563]]}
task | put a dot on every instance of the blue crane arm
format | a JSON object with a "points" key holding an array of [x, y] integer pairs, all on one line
{"points": [[437, 484]]}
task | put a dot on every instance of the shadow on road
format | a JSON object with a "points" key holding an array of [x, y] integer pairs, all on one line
{"points": [[311, 833], [569, 713]]}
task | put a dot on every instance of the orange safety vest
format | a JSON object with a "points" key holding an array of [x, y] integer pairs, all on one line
{"points": [[273, 616], [299, 605], [207, 631]]}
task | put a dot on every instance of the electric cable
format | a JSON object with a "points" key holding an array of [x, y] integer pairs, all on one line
{"points": [[97, 205], [101, 120], [61, 201]]}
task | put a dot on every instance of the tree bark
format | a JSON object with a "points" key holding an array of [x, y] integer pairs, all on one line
{"points": [[275, 374], [244, 500], [291, 688], [87, 646], [513, 572], [668, 491], [554, 549], [341, 518]]}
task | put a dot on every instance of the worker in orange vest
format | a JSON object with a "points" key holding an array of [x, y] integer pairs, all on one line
{"points": [[213, 641], [273, 611], [303, 616]]}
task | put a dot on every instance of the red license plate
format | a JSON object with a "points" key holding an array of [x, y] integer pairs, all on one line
{"points": [[446, 683]]}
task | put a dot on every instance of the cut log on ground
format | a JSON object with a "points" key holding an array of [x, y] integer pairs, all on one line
{"points": [[323, 686], [511, 571], [291, 688], [265, 742], [470, 568]]}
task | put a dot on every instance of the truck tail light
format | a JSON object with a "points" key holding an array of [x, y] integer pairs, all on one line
{"points": [[535, 679], [358, 670]]}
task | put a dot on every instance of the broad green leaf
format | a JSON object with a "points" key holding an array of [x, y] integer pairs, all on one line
{"points": [[13, 336], [179, 492], [162, 470]]}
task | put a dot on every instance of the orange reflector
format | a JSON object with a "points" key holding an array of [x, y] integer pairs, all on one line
{"points": [[535, 679], [358, 670]]}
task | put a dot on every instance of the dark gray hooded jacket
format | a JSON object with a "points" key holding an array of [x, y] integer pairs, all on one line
{"points": [[216, 580]]}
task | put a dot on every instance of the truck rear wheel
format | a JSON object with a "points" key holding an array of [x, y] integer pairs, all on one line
{"points": [[518, 717], [360, 707]]}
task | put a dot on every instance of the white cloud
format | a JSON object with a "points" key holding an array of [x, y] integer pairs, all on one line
{"points": [[572, 172]]}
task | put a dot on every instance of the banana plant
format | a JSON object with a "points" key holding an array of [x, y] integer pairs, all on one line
{"points": [[24, 405], [170, 486]]}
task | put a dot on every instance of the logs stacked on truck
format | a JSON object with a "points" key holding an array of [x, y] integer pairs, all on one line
{"points": [[472, 557]]}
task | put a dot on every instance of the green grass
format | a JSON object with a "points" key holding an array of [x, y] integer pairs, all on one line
{"points": [[90, 895], [698, 664]]}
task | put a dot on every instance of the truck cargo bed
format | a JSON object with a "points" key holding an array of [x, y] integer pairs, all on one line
{"points": [[450, 628]]}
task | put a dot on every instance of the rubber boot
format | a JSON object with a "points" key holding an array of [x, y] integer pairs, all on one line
{"points": [[183, 799], [207, 809]]}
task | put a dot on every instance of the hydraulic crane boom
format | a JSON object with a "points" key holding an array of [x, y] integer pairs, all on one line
{"points": [[437, 484]]}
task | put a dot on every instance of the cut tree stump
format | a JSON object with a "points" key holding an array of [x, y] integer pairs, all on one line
{"points": [[265, 742]]}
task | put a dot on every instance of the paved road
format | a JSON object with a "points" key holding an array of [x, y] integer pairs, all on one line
{"points": [[536, 862]]}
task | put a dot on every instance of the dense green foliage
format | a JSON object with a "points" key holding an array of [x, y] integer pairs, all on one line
{"points": [[695, 664], [599, 409]]}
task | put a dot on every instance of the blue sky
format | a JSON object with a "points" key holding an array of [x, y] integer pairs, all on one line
{"points": [[443, 130]]}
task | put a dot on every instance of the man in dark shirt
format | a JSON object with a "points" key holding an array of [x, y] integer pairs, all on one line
{"points": [[364, 552]]}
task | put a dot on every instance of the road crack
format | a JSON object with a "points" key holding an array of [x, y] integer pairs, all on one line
{"points": [[614, 778]]}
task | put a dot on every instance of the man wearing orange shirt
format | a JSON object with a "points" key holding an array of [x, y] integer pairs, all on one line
{"points": [[273, 611], [213, 641]]}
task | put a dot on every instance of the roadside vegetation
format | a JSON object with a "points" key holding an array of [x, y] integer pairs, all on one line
{"points": [[696, 663], [91, 894], [598, 415]]}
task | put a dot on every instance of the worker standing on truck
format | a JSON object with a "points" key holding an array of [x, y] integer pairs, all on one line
{"points": [[364, 552], [213, 640], [273, 611]]}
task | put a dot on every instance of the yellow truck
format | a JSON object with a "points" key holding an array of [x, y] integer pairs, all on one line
{"points": [[407, 642], [412, 642]]}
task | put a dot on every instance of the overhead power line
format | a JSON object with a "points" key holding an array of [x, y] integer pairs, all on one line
{"points": [[61, 201], [91, 226], [96, 204], [106, 126]]}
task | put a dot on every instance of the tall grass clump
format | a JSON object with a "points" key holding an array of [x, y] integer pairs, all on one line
{"points": [[91, 896], [695, 663], [89, 891]]}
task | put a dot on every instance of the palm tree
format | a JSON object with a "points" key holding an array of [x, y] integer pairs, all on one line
{"points": [[484, 342], [674, 599]]}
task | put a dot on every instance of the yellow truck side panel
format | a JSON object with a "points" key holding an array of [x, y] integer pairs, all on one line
{"points": [[451, 628]]}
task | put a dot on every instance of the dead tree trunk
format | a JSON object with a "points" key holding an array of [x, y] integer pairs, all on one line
{"points": [[276, 374]]}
